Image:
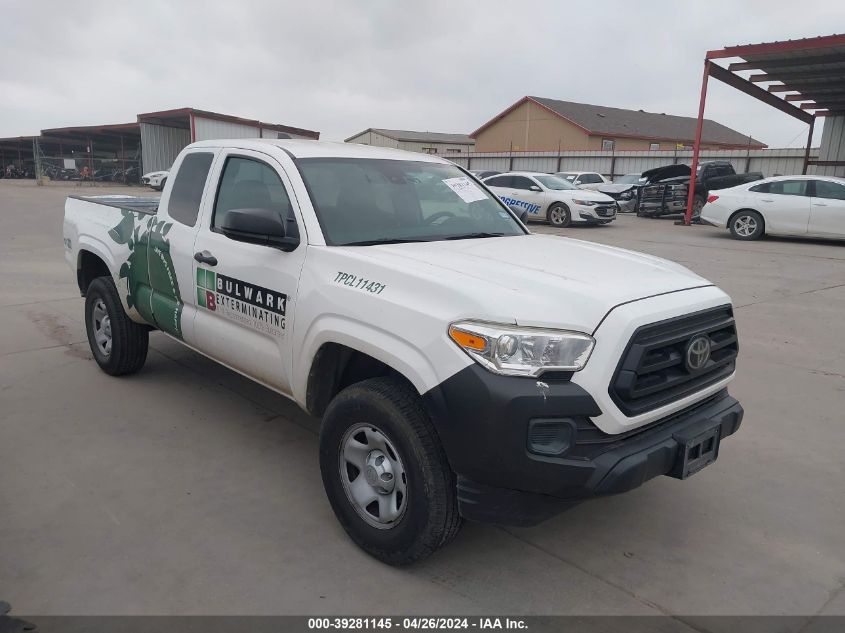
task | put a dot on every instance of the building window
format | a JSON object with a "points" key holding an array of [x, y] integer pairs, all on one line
{"points": [[653, 147], [429, 150], [608, 144], [453, 150]]}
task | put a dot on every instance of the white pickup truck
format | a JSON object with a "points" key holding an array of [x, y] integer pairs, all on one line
{"points": [[462, 367]]}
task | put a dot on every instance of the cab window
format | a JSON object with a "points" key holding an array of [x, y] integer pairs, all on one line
{"points": [[829, 190], [250, 184], [186, 195]]}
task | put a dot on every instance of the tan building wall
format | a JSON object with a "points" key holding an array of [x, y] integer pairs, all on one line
{"points": [[531, 127], [442, 149]]}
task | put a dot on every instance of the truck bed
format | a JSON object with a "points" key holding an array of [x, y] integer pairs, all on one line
{"points": [[130, 203]]}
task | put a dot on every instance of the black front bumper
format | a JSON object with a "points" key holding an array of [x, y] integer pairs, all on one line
{"points": [[483, 421]]}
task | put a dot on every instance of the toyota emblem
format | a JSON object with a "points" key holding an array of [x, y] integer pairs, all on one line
{"points": [[698, 353]]}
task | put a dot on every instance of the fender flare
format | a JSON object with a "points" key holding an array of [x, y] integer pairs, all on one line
{"points": [[395, 352]]}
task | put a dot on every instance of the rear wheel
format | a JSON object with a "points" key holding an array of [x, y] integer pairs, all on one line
{"points": [[385, 472], [746, 225], [119, 345], [558, 215]]}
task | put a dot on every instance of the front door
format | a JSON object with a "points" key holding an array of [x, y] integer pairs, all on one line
{"points": [[244, 291], [827, 213], [785, 205], [529, 194]]}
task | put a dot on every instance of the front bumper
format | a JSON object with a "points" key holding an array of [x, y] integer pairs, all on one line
{"points": [[483, 421], [662, 208], [594, 214]]}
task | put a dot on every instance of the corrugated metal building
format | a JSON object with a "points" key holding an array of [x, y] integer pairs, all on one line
{"points": [[165, 133], [424, 142], [832, 148]]}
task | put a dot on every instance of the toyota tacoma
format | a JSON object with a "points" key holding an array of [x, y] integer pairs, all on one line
{"points": [[462, 367]]}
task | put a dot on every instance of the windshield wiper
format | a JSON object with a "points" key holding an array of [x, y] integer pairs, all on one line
{"points": [[383, 240], [470, 236]]}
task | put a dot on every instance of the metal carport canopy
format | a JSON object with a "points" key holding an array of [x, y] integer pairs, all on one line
{"points": [[806, 79]]}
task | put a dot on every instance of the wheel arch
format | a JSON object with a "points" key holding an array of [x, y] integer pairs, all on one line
{"points": [[346, 352], [91, 262]]}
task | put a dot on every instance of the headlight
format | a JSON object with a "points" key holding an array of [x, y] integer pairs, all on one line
{"points": [[626, 195], [585, 203], [522, 351]]}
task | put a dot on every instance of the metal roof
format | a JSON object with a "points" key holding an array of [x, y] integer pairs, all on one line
{"points": [[618, 122], [419, 137], [180, 117], [809, 73]]}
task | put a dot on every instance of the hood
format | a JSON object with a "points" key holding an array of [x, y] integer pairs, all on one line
{"points": [[535, 280], [614, 188], [584, 194], [667, 171]]}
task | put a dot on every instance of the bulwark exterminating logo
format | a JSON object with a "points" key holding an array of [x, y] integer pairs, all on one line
{"points": [[253, 306]]}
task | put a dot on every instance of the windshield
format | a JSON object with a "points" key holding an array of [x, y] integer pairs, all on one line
{"points": [[365, 201], [629, 179], [555, 182]]}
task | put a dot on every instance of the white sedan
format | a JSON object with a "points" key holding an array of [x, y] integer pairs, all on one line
{"points": [[155, 179], [552, 198], [800, 206]]}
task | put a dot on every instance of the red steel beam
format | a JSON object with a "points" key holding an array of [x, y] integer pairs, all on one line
{"points": [[735, 81], [696, 146], [791, 76], [807, 149], [769, 48], [789, 62]]}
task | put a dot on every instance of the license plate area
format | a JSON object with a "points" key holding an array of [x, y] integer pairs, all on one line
{"points": [[696, 452]]}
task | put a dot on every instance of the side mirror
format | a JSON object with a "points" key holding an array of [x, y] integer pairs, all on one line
{"points": [[535, 188], [260, 226]]}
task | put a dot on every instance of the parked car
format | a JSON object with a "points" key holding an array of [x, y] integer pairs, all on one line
{"points": [[462, 367], [481, 174], [670, 195], [551, 198], [799, 206], [583, 179], [155, 179]]}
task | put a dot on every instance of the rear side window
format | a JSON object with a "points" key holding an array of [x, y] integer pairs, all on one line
{"points": [[589, 179], [250, 184], [783, 187], [186, 195], [830, 190], [521, 182], [498, 181]]}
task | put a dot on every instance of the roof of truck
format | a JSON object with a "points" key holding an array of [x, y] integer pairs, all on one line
{"points": [[304, 148]]}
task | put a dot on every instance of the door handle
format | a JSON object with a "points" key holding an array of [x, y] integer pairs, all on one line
{"points": [[819, 204], [204, 257], [766, 200]]}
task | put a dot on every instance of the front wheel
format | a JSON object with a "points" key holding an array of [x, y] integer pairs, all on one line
{"points": [[746, 225], [558, 215], [119, 345], [385, 472]]}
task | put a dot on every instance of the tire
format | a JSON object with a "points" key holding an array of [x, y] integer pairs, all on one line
{"points": [[384, 417], [161, 186], [746, 225], [559, 215], [697, 206], [119, 345]]}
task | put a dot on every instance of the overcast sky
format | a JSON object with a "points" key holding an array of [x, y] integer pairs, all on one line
{"points": [[341, 66]]}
